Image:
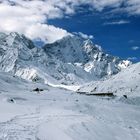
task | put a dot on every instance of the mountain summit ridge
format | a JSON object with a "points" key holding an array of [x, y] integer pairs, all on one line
{"points": [[71, 60]]}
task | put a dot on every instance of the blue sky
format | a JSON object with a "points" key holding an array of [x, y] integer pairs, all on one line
{"points": [[117, 34], [115, 24]]}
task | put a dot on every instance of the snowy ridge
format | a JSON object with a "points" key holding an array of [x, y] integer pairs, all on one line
{"points": [[89, 62], [125, 82], [68, 61], [90, 57]]}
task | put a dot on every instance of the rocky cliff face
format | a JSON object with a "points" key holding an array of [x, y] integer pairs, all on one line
{"points": [[85, 54]]}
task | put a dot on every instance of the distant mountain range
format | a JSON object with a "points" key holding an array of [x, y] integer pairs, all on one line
{"points": [[69, 61]]}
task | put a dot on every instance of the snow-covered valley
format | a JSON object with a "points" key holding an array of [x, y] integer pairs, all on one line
{"points": [[56, 114]]}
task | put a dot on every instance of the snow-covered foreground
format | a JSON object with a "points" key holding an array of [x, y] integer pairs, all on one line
{"points": [[58, 114]]}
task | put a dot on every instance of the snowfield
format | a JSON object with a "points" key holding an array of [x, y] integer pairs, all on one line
{"points": [[59, 114]]}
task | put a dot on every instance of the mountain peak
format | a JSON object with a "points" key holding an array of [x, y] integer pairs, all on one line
{"points": [[69, 60], [88, 42], [15, 40]]}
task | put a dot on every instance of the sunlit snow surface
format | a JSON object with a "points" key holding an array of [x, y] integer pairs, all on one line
{"points": [[58, 114]]}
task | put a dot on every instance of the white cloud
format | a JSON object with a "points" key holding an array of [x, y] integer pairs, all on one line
{"points": [[101, 4], [117, 22], [133, 7], [84, 36], [46, 32], [30, 16], [132, 58], [135, 48]]}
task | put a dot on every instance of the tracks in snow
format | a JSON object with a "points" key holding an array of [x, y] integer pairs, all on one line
{"points": [[25, 127], [22, 127]]}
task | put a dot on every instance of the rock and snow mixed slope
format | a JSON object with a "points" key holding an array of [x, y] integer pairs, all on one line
{"points": [[125, 82], [84, 54], [68, 61]]}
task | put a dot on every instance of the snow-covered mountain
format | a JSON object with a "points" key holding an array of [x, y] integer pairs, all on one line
{"points": [[71, 60], [57, 113], [85, 54], [125, 82]]}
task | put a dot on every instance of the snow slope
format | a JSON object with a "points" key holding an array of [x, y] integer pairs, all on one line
{"points": [[58, 114], [125, 82], [69, 61], [86, 55]]}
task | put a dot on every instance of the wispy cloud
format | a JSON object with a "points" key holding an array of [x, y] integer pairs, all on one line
{"points": [[135, 48], [120, 22], [132, 58], [131, 41], [84, 36]]}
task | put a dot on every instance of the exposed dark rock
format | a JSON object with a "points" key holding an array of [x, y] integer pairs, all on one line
{"points": [[38, 89]]}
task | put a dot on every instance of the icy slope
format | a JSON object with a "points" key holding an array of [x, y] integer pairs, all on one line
{"points": [[14, 47], [69, 61], [125, 82]]}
